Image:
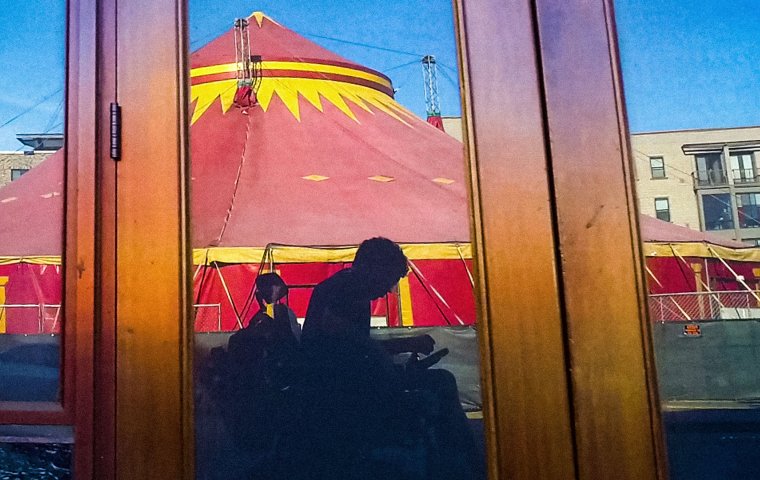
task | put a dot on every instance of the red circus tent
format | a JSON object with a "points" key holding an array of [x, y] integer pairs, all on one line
{"points": [[31, 241], [290, 175], [324, 159], [294, 172], [682, 260]]}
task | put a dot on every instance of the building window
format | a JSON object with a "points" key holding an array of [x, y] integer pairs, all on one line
{"points": [[743, 167], [717, 209], [17, 172], [657, 165], [662, 208], [748, 206], [710, 169]]}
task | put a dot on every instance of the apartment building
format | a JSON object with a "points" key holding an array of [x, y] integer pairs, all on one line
{"points": [[707, 179], [703, 179]]}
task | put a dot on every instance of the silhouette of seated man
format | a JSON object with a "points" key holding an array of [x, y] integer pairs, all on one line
{"points": [[358, 395], [263, 364]]}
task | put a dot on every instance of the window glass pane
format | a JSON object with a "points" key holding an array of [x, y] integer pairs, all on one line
{"points": [[710, 170], [658, 167], [32, 36], [688, 94], [17, 172], [717, 211], [749, 210], [661, 204], [316, 126], [743, 168]]}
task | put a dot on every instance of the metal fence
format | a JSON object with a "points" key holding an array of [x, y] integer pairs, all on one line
{"points": [[208, 317], [31, 317], [672, 307], [704, 306], [46, 318]]}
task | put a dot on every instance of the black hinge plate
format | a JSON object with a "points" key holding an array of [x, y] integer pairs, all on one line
{"points": [[116, 131]]}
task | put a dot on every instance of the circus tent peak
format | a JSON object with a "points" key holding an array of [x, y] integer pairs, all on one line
{"points": [[290, 68], [326, 156]]}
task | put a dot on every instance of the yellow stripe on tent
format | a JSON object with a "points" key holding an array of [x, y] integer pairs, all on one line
{"points": [[3, 323], [293, 254], [32, 260], [414, 251], [405, 300], [296, 67], [702, 250]]}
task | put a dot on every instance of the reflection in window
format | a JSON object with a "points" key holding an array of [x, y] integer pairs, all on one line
{"points": [[696, 76], [32, 113], [710, 169], [657, 165], [748, 205], [302, 148], [662, 208], [717, 210]]}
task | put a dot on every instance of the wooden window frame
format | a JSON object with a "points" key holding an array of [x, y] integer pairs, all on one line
{"points": [[568, 376], [78, 241]]}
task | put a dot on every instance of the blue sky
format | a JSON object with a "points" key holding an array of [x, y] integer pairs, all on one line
{"points": [[690, 63], [394, 35], [686, 64], [31, 69]]}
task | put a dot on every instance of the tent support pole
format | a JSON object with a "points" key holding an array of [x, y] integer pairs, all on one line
{"points": [[707, 288], [229, 296], [466, 268], [738, 278], [683, 312], [424, 281], [653, 276]]}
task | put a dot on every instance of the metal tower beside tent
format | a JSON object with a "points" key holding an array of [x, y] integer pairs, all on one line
{"points": [[432, 100]]}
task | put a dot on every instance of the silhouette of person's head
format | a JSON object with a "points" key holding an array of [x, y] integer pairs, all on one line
{"points": [[270, 287], [381, 264]]}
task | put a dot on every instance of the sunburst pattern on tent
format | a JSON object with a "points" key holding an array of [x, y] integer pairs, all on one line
{"points": [[345, 85], [340, 94]]}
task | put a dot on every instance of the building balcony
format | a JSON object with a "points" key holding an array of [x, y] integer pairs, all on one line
{"points": [[709, 178], [745, 177]]}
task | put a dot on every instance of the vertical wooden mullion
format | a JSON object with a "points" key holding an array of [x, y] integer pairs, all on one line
{"points": [[523, 354], [153, 434], [79, 260], [629, 172], [614, 391]]}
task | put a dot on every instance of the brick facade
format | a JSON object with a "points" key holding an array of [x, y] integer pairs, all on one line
{"points": [[13, 160]]}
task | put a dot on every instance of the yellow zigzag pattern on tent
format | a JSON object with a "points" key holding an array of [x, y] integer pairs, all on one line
{"points": [[260, 16], [289, 90]]}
